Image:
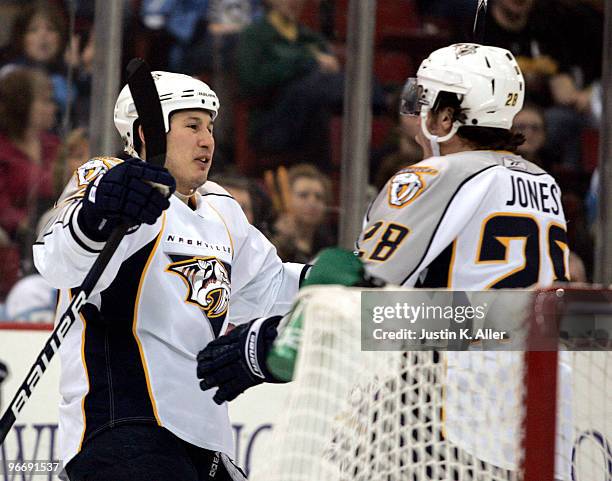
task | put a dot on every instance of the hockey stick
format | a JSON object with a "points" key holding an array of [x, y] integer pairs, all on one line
{"points": [[146, 100], [478, 31]]}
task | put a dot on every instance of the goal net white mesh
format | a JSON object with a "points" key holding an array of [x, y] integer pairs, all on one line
{"points": [[427, 415]]}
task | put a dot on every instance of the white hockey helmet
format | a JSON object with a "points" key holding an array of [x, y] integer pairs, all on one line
{"points": [[488, 81], [176, 92]]}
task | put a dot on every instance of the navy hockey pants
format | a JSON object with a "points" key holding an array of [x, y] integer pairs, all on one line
{"points": [[144, 452]]}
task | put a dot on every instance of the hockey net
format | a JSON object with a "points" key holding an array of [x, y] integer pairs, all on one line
{"points": [[441, 415]]}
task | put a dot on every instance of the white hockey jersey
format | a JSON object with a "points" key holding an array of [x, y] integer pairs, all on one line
{"points": [[473, 220], [168, 291], [467, 221]]}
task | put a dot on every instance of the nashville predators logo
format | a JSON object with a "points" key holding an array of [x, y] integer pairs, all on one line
{"points": [[462, 49], [93, 168], [208, 282], [407, 185]]}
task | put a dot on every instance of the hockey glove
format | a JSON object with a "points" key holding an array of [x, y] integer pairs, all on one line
{"points": [[236, 361], [332, 266], [335, 265], [124, 194]]}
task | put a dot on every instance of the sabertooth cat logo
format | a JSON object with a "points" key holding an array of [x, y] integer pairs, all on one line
{"points": [[407, 185], [93, 168], [208, 283], [462, 49]]}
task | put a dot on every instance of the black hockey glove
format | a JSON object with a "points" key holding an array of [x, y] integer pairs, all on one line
{"points": [[124, 194], [237, 361]]}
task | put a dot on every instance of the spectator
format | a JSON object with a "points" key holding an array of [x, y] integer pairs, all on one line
{"points": [[214, 50], [73, 153], [446, 17], [177, 24], [194, 31], [294, 81], [39, 38], [254, 202], [9, 266], [239, 190], [212, 55], [550, 50], [80, 57], [27, 154], [515, 25], [531, 123], [300, 232], [32, 299], [464, 9], [402, 151]]}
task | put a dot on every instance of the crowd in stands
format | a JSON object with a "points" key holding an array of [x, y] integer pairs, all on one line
{"points": [[277, 66]]}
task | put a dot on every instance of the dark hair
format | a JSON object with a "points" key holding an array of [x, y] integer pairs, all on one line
{"points": [[482, 138], [22, 22], [18, 89], [235, 182], [263, 214]]}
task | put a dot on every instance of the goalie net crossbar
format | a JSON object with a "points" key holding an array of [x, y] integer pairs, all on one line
{"points": [[435, 415]]}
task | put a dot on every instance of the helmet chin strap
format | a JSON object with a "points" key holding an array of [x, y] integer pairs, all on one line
{"points": [[434, 140]]}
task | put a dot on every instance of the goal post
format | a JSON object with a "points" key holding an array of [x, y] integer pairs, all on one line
{"points": [[421, 415]]}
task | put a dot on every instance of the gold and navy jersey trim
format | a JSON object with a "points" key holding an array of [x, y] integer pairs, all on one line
{"points": [[120, 388]]}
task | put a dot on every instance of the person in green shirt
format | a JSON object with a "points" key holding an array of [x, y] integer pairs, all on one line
{"points": [[294, 81]]}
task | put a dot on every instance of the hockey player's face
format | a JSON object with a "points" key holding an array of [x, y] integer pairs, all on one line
{"points": [[190, 149]]}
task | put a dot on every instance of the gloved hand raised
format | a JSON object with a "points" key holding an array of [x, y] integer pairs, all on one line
{"points": [[125, 194]]}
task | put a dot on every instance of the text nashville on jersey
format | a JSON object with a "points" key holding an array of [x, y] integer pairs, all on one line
{"points": [[197, 243]]}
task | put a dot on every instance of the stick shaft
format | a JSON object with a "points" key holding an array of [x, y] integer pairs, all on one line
{"points": [[53, 343]]}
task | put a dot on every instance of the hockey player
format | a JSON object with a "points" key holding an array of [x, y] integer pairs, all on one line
{"points": [[473, 215], [131, 407]]}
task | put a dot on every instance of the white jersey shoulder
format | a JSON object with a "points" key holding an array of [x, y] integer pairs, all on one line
{"points": [[211, 187], [461, 221]]}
